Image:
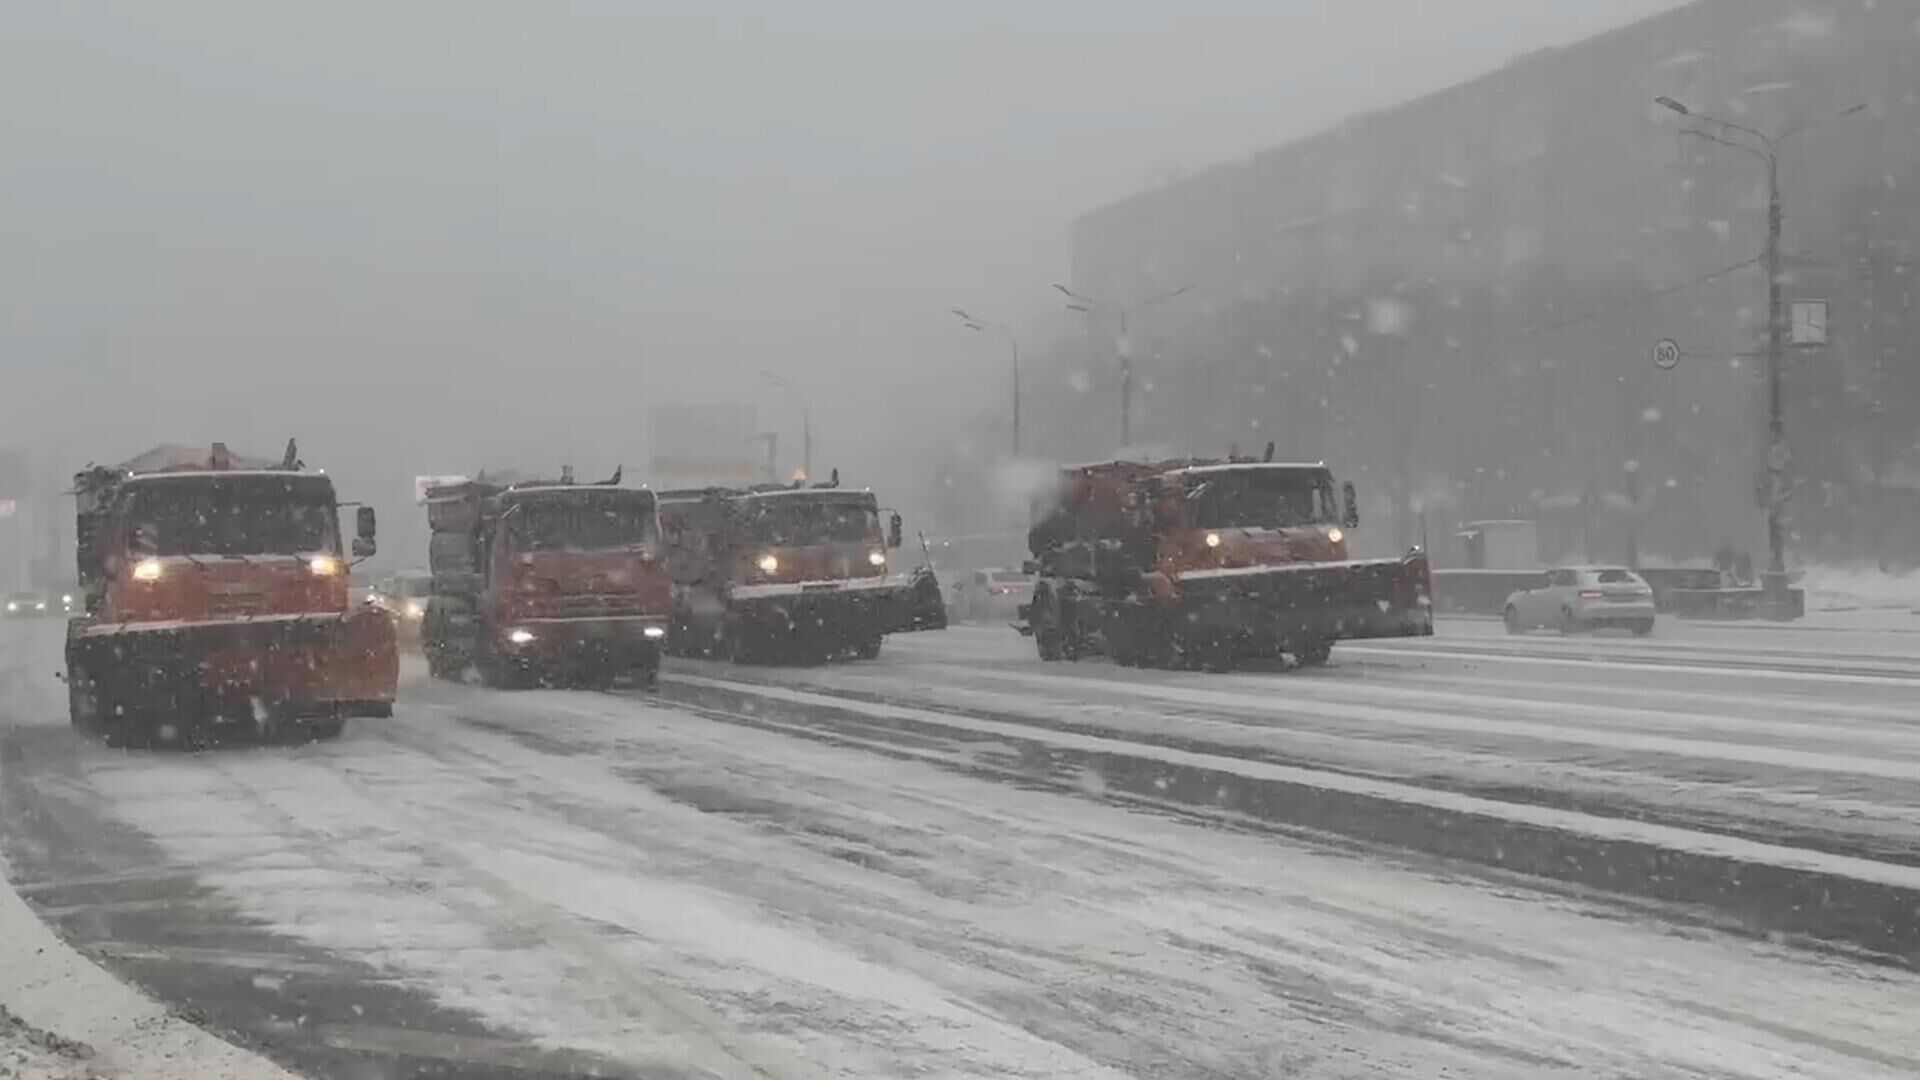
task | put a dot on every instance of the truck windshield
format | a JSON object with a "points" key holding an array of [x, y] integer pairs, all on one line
{"points": [[583, 525], [1262, 499], [269, 518], [797, 522]]}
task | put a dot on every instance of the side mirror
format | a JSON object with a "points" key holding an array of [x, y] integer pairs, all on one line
{"points": [[1350, 515], [363, 522], [893, 531]]}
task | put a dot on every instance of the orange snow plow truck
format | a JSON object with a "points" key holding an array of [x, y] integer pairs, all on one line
{"points": [[215, 590], [543, 582], [1202, 563]]}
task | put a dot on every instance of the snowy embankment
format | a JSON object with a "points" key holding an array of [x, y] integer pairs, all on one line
{"points": [[61, 1015], [1842, 588]]}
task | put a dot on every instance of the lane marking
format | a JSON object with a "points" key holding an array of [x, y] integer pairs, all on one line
{"points": [[1613, 829]]}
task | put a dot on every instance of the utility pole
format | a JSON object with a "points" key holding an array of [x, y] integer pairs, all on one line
{"points": [[806, 422], [1123, 345], [987, 326], [1778, 454]]}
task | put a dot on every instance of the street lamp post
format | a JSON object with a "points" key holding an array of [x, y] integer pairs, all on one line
{"points": [[1766, 148], [986, 326], [806, 422], [1123, 345]]}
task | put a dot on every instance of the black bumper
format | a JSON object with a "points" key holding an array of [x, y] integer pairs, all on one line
{"points": [[1333, 602]]}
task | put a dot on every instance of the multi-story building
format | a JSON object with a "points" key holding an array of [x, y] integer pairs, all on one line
{"points": [[1455, 299]]}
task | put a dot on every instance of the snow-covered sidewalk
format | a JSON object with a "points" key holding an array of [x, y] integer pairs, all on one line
{"points": [[62, 1016]]}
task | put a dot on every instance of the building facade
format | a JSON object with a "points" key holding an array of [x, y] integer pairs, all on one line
{"points": [[1454, 300]]}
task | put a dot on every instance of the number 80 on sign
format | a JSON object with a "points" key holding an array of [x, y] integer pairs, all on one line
{"points": [[1666, 354]]}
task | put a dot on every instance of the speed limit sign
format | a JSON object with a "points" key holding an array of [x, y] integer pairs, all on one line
{"points": [[1666, 354]]}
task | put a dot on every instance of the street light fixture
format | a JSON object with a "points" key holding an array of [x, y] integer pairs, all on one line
{"points": [[1766, 148], [1123, 346], [987, 326], [806, 421]]}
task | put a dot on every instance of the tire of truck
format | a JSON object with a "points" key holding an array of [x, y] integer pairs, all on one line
{"points": [[326, 728], [83, 701], [1314, 653], [868, 649], [1053, 638], [445, 668]]}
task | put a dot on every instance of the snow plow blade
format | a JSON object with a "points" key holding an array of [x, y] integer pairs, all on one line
{"points": [[311, 664], [1325, 602]]}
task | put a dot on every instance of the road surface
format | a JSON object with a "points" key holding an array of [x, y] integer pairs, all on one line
{"points": [[947, 863]]}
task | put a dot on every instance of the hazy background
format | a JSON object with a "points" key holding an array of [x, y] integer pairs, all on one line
{"points": [[434, 235]]}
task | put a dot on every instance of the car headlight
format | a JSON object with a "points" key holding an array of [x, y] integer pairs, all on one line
{"points": [[655, 631], [877, 558], [66, 598], [1213, 539], [324, 566], [147, 570], [416, 609], [768, 564], [519, 635], [1334, 534], [39, 605], [13, 605]]}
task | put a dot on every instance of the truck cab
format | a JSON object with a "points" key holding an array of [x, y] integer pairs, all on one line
{"points": [[785, 571], [547, 582]]}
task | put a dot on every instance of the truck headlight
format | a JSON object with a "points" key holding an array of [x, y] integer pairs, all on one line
{"points": [[655, 631], [323, 565], [1334, 534], [13, 605], [416, 609], [519, 635], [877, 558], [1213, 539], [146, 570], [66, 598], [768, 564]]}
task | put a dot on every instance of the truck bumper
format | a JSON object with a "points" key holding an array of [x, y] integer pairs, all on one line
{"points": [[298, 665], [1314, 602], [597, 643], [839, 611]]}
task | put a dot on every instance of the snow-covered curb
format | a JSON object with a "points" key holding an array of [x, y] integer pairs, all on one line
{"points": [[1837, 588], [75, 1020]]}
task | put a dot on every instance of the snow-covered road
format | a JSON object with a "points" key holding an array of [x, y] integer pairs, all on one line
{"points": [[704, 885]]}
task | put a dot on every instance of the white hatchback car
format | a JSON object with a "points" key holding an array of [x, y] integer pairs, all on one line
{"points": [[1584, 598]]}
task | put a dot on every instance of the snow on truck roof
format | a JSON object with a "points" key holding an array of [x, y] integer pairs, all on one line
{"points": [[201, 474], [1241, 466]]}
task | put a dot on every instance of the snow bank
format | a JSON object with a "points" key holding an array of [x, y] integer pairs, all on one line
{"points": [[29, 1053], [1851, 588], [105, 1027]]}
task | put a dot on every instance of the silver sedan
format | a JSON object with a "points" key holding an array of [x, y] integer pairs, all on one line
{"points": [[1583, 598]]}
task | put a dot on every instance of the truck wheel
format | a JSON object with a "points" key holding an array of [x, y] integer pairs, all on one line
{"points": [[445, 668], [326, 728], [1315, 653], [868, 649], [83, 702]]}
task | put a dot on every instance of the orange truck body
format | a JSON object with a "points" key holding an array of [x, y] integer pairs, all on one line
{"points": [[1202, 562], [546, 582], [215, 588], [781, 570]]}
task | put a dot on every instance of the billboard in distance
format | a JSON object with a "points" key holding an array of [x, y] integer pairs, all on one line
{"points": [[697, 445]]}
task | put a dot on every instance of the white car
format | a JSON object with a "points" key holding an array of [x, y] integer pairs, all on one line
{"points": [[991, 594], [1584, 598]]}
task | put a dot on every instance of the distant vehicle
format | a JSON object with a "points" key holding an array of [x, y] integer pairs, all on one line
{"points": [[405, 596], [995, 593], [1578, 598], [25, 605]]}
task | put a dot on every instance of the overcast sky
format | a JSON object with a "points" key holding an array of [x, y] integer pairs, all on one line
{"points": [[573, 208]]}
